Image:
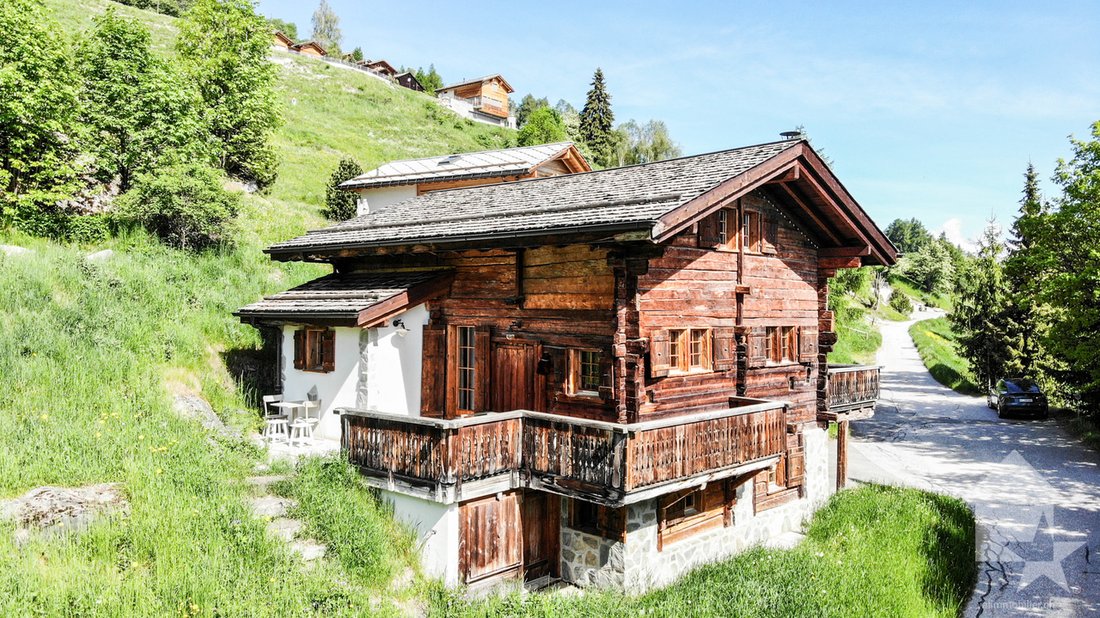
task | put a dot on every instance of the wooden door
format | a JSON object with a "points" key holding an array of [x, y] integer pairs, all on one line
{"points": [[516, 385], [541, 537], [490, 537]]}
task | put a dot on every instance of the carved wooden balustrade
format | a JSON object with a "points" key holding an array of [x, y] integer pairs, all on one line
{"points": [[851, 387], [457, 459]]}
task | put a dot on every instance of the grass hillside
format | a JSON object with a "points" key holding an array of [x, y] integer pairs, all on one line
{"points": [[938, 346], [92, 352]]}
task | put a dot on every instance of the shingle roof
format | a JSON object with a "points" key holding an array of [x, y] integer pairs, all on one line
{"points": [[483, 164], [480, 80], [340, 296], [619, 197]]}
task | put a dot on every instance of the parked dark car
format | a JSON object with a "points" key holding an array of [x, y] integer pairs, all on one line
{"points": [[1018, 397]]}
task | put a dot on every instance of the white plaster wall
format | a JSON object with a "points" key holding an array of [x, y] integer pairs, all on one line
{"points": [[373, 200], [437, 533], [335, 389], [390, 373]]}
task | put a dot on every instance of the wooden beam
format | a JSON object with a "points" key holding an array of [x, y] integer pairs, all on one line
{"points": [[834, 263], [845, 251], [792, 196], [841, 454], [791, 174]]}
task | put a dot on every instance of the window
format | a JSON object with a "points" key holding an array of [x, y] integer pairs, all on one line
{"points": [[782, 344], [682, 508], [723, 231], [751, 231], [597, 519], [689, 349], [719, 230], [466, 368], [585, 373], [690, 512], [315, 349]]}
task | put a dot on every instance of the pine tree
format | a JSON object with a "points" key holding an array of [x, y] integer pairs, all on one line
{"points": [[340, 204], [326, 28], [597, 122], [1024, 275], [980, 315]]}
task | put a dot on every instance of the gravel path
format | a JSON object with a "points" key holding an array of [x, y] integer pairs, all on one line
{"points": [[1034, 490]]}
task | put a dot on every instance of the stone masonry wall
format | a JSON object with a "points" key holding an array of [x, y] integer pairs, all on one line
{"points": [[636, 566]]}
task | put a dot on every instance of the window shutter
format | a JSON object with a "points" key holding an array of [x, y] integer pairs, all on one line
{"points": [[758, 346], [659, 354], [796, 460], [299, 349], [725, 349], [481, 369], [450, 397], [771, 234], [607, 377], [807, 345], [708, 231], [328, 350], [433, 382]]}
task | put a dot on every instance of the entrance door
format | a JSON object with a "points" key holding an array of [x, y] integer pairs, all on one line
{"points": [[489, 542], [516, 384], [541, 517]]}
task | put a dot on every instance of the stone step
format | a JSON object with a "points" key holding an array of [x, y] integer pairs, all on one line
{"points": [[265, 481], [271, 506], [308, 549], [787, 540], [284, 528]]}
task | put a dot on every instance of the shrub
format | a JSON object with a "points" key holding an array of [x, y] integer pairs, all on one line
{"points": [[900, 302], [183, 204]]}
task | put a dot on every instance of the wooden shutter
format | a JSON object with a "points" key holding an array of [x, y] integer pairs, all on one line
{"points": [[771, 234], [708, 231], [433, 376], [758, 346], [796, 460], [299, 349], [807, 345], [482, 373], [607, 377], [328, 350], [725, 349], [659, 361]]}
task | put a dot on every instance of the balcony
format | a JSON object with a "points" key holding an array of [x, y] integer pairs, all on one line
{"points": [[608, 463], [851, 392]]}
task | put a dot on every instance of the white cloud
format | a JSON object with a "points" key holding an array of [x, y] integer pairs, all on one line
{"points": [[953, 230]]}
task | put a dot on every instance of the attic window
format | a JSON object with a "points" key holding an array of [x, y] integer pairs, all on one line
{"points": [[450, 159]]}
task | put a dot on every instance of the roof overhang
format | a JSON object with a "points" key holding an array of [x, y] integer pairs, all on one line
{"points": [[801, 180], [358, 306]]}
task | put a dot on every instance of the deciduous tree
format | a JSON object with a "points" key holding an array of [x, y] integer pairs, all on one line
{"points": [[543, 126], [326, 28], [289, 28], [223, 46], [134, 107]]}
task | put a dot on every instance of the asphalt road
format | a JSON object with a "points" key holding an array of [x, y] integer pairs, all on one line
{"points": [[1034, 489]]}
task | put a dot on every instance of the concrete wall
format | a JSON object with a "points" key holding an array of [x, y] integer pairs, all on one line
{"points": [[636, 566], [390, 366], [375, 369], [373, 200], [437, 533], [334, 389]]}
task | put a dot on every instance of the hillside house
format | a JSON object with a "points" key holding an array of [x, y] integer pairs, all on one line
{"points": [[309, 48], [400, 180], [281, 41], [484, 99], [379, 67], [408, 80], [607, 377]]}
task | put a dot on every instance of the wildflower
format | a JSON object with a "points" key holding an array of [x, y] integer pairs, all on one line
{"points": [[141, 436], [98, 434], [45, 417], [158, 470]]}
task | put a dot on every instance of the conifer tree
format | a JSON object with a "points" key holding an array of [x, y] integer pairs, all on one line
{"points": [[1024, 275], [597, 121], [980, 316], [340, 204]]}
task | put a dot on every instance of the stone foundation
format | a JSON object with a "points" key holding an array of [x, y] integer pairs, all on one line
{"points": [[636, 566]]}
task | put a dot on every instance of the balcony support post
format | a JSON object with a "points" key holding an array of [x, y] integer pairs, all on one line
{"points": [[841, 454]]}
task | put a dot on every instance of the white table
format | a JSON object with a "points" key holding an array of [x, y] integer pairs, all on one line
{"points": [[291, 408]]}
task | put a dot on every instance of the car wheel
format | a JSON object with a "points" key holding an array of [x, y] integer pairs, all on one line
{"points": [[1000, 412], [989, 403]]}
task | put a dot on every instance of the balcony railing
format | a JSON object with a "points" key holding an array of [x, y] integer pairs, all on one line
{"points": [[610, 463], [851, 387]]}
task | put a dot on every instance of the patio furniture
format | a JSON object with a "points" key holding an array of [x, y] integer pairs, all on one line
{"points": [[301, 432], [275, 430]]}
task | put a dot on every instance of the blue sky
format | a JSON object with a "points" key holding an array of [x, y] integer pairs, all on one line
{"points": [[929, 110]]}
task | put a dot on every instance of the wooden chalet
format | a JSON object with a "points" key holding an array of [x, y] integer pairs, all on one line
{"points": [[605, 377], [486, 99], [408, 80], [399, 180], [380, 67], [309, 48], [280, 40]]}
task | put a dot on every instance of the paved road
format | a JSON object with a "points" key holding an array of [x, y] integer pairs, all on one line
{"points": [[1035, 491]]}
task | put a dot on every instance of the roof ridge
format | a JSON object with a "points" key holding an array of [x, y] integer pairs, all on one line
{"points": [[477, 152]]}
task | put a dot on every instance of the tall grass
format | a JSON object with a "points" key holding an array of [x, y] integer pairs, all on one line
{"points": [[906, 285], [938, 347], [873, 551]]}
